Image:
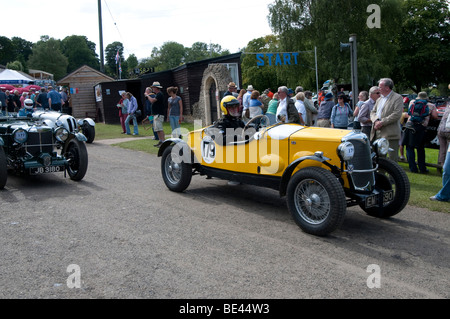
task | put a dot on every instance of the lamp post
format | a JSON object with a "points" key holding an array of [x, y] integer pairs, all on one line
{"points": [[354, 63], [354, 66], [102, 63]]}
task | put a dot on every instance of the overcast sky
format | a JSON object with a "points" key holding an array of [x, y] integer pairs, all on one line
{"points": [[140, 24]]}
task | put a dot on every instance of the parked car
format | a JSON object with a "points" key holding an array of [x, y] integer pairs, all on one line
{"points": [[85, 125], [29, 146], [322, 171]]}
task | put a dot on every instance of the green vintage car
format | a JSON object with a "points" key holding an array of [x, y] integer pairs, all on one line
{"points": [[30, 146], [322, 171]]}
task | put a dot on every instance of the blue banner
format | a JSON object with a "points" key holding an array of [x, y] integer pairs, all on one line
{"points": [[288, 58]]}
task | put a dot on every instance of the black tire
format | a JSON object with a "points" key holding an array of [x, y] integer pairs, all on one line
{"points": [[3, 168], [176, 176], [76, 154], [89, 132], [316, 200], [390, 176]]}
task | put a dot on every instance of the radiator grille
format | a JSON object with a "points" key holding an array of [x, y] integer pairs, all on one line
{"points": [[362, 161], [39, 142]]}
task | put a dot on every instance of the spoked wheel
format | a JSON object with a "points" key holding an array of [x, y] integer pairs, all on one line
{"points": [[77, 156], [316, 200], [176, 174]]}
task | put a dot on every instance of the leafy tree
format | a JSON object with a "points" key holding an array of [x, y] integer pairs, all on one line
{"points": [[47, 56], [261, 77], [132, 63], [111, 67], [424, 44], [16, 65], [79, 51], [169, 56], [6, 50], [305, 24], [22, 50]]}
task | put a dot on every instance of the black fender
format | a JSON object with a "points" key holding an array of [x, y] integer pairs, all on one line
{"points": [[290, 169], [182, 146]]}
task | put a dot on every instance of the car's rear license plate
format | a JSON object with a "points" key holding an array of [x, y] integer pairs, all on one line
{"points": [[47, 169], [372, 200]]}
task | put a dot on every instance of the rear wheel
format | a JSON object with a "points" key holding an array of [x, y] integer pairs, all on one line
{"points": [[89, 132], [316, 200], [3, 169], [77, 156], [176, 174]]}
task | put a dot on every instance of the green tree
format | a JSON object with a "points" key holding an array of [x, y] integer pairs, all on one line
{"points": [[305, 24], [261, 77], [22, 50], [169, 56], [424, 44], [47, 55], [16, 65], [79, 52], [6, 50], [132, 64], [111, 67]]}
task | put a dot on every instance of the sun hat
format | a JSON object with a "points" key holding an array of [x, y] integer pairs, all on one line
{"points": [[328, 96], [231, 85], [156, 85], [250, 88], [422, 96]]}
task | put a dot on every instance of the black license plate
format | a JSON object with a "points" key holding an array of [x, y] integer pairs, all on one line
{"points": [[47, 169], [372, 200]]}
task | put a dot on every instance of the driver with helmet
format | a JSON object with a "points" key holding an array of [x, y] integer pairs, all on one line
{"points": [[27, 109], [231, 120]]}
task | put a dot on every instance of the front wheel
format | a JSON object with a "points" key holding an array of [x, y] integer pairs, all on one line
{"points": [[3, 168], [77, 156], [176, 174], [316, 200], [390, 176]]}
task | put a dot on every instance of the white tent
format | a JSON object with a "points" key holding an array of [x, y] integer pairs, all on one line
{"points": [[8, 76]]}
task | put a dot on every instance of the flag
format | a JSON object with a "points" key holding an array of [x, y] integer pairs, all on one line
{"points": [[117, 57]]}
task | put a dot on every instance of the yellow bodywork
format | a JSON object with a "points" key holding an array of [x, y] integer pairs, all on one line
{"points": [[269, 151]]}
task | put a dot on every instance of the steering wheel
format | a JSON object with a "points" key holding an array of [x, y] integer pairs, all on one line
{"points": [[263, 123]]}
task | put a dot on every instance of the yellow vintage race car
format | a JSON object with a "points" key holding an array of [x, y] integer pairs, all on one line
{"points": [[322, 171]]}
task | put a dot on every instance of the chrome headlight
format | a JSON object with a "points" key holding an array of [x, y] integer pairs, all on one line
{"points": [[346, 151], [61, 134], [381, 146], [20, 135]]}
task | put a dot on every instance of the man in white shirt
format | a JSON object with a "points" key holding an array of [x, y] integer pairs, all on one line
{"points": [[246, 98]]}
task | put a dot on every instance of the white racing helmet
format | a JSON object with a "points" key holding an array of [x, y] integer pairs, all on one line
{"points": [[28, 103]]}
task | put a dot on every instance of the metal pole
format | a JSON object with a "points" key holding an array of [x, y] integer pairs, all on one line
{"points": [[354, 63], [317, 75], [102, 63]]}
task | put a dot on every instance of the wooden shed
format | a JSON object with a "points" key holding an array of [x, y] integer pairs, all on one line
{"points": [[188, 79], [81, 83]]}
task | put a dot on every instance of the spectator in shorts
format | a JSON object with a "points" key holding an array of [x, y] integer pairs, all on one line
{"points": [[158, 112]]}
